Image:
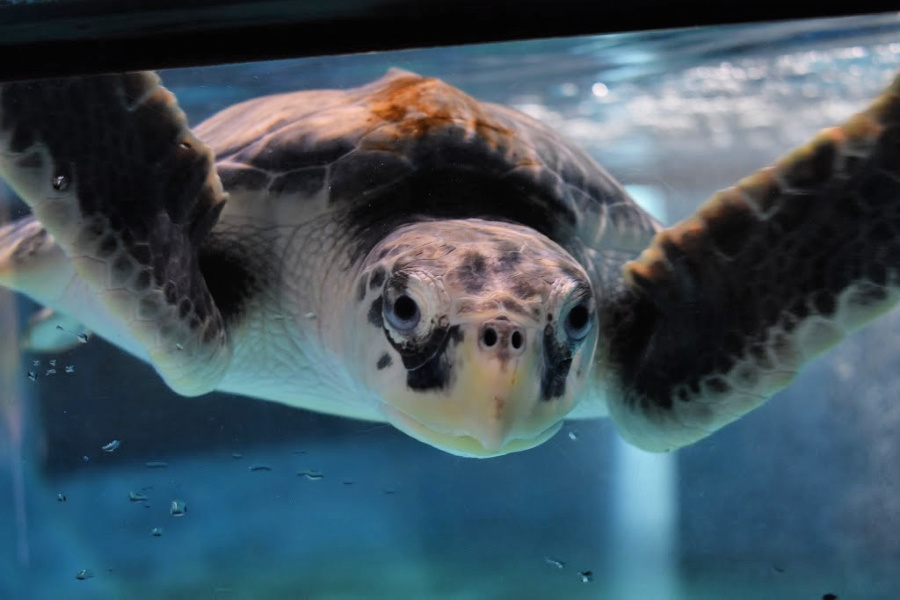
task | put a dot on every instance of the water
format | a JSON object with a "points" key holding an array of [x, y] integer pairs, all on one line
{"points": [[222, 497]]}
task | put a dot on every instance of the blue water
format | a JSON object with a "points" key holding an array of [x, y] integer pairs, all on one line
{"points": [[797, 500]]}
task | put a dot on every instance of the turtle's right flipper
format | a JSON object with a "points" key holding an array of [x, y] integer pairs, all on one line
{"points": [[726, 306], [111, 170]]}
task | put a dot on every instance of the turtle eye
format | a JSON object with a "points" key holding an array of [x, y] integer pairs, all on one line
{"points": [[578, 321], [403, 314]]}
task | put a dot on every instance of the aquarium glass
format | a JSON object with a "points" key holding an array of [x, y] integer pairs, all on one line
{"points": [[112, 486]]}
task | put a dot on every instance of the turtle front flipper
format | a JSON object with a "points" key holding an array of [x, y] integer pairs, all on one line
{"points": [[724, 307], [111, 170]]}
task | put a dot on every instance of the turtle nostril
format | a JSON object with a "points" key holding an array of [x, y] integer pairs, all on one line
{"points": [[516, 339], [489, 336]]}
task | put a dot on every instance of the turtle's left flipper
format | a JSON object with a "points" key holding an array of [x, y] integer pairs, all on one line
{"points": [[110, 169], [724, 307]]}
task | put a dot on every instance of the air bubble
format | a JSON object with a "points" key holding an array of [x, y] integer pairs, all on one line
{"points": [[156, 531], [178, 508], [137, 497], [112, 446], [586, 576], [32, 376], [554, 562], [311, 474], [83, 574], [60, 183], [70, 368]]}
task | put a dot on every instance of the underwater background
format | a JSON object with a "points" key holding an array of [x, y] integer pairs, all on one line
{"points": [[797, 500]]}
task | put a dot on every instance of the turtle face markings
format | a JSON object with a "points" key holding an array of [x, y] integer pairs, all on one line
{"points": [[374, 315], [475, 334], [562, 340]]}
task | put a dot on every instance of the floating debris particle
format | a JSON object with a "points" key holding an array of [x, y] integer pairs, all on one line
{"points": [[137, 497], [298, 452], [236, 455], [553, 562], [178, 508], [586, 576], [83, 338], [260, 467], [156, 464], [32, 376], [84, 574], [70, 368], [37, 363], [86, 458], [310, 315], [348, 482], [311, 474], [112, 446], [156, 531], [390, 491], [777, 569], [50, 372], [60, 183], [179, 347], [573, 436], [61, 497], [829, 597], [52, 362]]}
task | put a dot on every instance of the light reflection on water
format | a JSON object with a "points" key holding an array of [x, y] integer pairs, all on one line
{"points": [[797, 500]]}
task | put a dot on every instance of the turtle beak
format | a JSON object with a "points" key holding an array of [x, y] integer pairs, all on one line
{"points": [[498, 388], [494, 405]]}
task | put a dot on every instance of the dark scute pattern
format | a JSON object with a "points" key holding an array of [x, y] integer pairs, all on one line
{"points": [[473, 273], [240, 177], [415, 353], [557, 363], [375, 317], [129, 166], [730, 275], [295, 149], [377, 277], [361, 173], [454, 193], [384, 361], [428, 365], [303, 182], [406, 147]]}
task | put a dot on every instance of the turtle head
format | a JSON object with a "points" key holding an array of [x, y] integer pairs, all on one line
{"points": [[476, 335]]}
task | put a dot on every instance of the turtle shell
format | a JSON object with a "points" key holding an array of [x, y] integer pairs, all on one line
{"points": [[406, 147]]}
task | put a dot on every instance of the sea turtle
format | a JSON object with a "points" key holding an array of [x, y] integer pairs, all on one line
{"points": [[402, 252]]}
